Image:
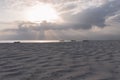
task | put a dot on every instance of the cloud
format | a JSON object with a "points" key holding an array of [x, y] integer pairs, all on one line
{"points": [[115, 18], [78, 23], [93, 16]]}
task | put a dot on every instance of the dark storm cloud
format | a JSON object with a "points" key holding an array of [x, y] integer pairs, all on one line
{"points": [[93, 16]]}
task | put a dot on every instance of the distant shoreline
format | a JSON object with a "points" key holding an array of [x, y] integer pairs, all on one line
{"points": [[49, 41]]}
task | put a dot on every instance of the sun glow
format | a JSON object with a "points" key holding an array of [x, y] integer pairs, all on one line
{"points": [[42, 12]]}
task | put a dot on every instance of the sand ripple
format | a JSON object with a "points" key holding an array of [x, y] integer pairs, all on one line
{"points": [[94, 60]]}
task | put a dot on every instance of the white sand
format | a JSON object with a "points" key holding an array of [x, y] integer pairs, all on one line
{"points": [[94, 60]]}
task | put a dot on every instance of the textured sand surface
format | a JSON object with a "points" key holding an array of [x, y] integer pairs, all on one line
{"points": [[94, 60]]}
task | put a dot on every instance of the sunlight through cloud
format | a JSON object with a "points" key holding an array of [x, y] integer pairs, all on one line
{"points": [[42, 12]]}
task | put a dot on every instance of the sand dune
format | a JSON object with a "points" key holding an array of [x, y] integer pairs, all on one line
{"points": [[94, 60]]}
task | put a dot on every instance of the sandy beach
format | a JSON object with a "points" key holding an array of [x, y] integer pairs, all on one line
{"points": [[93, 60]]}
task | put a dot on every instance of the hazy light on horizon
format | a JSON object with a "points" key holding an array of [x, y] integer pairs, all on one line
{"points": [[29, 41]]}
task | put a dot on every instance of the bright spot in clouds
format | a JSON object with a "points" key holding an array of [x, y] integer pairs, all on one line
{"points": [[42, 12]]}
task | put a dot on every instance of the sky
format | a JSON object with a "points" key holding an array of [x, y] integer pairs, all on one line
{"points": [[59, 19]]}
